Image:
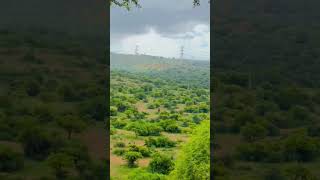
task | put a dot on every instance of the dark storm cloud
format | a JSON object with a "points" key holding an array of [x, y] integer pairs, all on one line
{"points": [[166, 16], [78, 16]]}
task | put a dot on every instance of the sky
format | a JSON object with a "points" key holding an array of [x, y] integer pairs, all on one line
{"points": [[162, 28]]}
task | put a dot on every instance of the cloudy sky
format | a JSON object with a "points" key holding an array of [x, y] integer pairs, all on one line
{"points": [[161, 28]]}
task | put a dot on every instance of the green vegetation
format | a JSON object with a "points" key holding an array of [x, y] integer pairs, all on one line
{"points": [[49, 112], [266, 85], [156, 104]]}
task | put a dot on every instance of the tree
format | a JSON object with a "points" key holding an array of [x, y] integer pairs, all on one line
{"points": [[252, 132], [274, 174], [71, 124], [298, 172], [193, 161], [131, 157], [61, 164], [32, 88], [301, 148], [36, 143], [161, 163]]}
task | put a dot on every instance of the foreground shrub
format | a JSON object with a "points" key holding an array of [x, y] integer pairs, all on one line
{"points": [[193, 161], [143, 175], [161, 164]]}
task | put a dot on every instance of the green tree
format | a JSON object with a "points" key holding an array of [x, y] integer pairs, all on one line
{"points": [[61, 164], [71, 124], [252, 132], [161, 163], [131, 157], [298, 172], [193, 161]]}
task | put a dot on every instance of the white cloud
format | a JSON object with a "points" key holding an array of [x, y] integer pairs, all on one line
{"points": [[196, 43]]}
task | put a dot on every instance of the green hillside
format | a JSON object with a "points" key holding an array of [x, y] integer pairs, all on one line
{"points": [[182, 71], [266, 77], [159, 116], [52, 92]]}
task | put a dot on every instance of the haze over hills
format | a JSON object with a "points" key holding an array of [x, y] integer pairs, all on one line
{"points": [[180, 71], [148, 62]]}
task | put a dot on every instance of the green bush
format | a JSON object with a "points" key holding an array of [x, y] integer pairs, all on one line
{"points": [[32, 88], [253, 132], [300, 147], [10, 160], [161, 164], [145, 152], [131, 157], [160, 142], [144, 175], [118, 123], [144, 128], [120, 144], [193, 161], [170, 126], [119, 152], [61, 164], [274, 174], [36, 143]]}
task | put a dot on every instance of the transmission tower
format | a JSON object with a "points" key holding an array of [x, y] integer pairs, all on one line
{"points": [[181, 52], [136, 51]]}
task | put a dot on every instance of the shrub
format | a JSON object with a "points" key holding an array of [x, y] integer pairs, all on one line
{"points": [[252, 152], [299, 172], [274, 174], [301, 148], [143, 175], [10, 160], [32, 88], [119, 123], [161, 164], [252, 132], [120, 144], [36, 143], [71, 124], [145, 152], [170, 126], [131, 157], [314, 130], [61, 164], [160, 142], [193, 161], [119, 152], [144, 128]]}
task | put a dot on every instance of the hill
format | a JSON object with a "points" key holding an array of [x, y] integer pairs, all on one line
{"points": [[156, 105], [176, 70], [52, 92], [266, 61]]}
